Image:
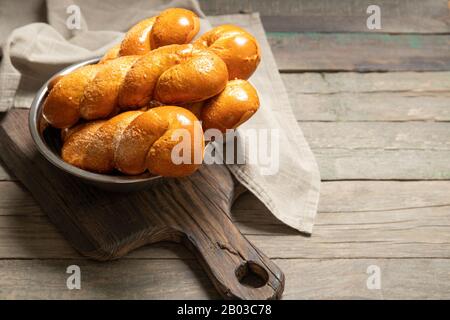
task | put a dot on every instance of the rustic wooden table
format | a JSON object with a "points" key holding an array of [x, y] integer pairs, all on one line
{"points": [[375, 108]]}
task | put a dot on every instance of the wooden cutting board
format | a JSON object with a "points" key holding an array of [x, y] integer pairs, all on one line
{"points": [[193, 211]]}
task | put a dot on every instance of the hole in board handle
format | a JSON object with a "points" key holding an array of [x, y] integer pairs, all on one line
{"points": [[251, 274]]}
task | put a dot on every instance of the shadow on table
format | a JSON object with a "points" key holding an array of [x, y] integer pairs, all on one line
{"points": [[253, 218]]}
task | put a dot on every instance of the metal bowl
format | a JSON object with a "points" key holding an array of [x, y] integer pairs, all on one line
{"points": [[48, 142]]}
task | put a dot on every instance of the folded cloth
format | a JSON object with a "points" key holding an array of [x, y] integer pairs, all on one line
{"points": [[287, 182]]}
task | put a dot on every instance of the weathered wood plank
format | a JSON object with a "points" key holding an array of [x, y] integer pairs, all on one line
{"points": [[313, 82], [377, 106], [376, 164], [398, 16], [122, 279], [409, 233], [382, 195], [365, 195], [402, 96], [360, 52], [35, 237], [385, 136], [380, 150], [159, 279], [16, 200], [347, 279], [351, 51], [357, 219]]}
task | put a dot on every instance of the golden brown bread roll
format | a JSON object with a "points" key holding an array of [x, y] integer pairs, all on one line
{"points": [[174, 26], [135, 141], [238, 48], [112, 53], [152, 67], [101, 94], [89, 92], [137, 39], [99, 154], [62, 106], [171, 26], [229, 109], [53, 81], [67, 132], [173, 74], [232, 107], [76, 143]]}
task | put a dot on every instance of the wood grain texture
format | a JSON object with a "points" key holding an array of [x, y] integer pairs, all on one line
{"points": [[360, 52], [121, 279], [106, 226], [397, 16], [307, 279], [352, 82], [409, 233], [372, 196], [385, 136], [347, 279], [375, 125], [402, 96], [380, 150], [376, 106], [409, 218], [296, 52], [377, 164]]}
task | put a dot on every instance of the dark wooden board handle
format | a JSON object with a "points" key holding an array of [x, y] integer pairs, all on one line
{"points": [[237, 269], [197, 215]]}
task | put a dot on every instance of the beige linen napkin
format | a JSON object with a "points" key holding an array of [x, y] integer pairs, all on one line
{"points": [[32, 53]]}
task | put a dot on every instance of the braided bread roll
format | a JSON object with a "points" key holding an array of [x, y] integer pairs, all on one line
{"points": [[62, 105], [171, 26], [171, 74], [229, 109], [236, 47], [135, 141]]}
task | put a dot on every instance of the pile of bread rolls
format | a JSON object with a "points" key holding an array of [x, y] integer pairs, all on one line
{"points": [[121, 113]]}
